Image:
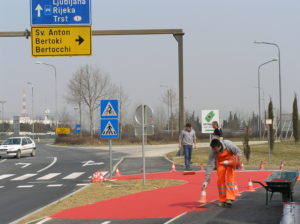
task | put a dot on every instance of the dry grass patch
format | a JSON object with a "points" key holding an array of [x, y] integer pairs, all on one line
{"points": [[100, 192], [286, 151]]}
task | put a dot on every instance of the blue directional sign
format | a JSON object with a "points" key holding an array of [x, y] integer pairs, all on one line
{"points": [[60, 12], [109, 128], [109, 109], [77, 129]]}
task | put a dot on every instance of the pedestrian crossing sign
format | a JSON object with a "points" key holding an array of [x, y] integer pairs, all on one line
{"points": [[109, 128], [109, 109]]}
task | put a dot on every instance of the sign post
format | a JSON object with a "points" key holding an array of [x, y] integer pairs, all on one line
{"points": [[109, 124], [144, 118], [269, 123]]}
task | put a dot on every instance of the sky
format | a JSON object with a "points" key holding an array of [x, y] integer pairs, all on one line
{"points": [[220, 58]]}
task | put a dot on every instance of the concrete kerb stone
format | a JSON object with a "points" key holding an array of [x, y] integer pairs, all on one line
{"points": [[18, 220]]}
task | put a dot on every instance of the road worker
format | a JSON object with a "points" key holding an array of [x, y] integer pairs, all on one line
{"points": [[225, 155]]}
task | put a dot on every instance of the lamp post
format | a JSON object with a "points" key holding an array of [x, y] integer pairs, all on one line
{"points": [[54, 68], [169, 97], [279, 74], [259, 114], [2, 118], [32, 106]]}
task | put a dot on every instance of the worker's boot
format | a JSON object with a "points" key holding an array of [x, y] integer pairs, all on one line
{"points": [[228, 203], [221, 204]]}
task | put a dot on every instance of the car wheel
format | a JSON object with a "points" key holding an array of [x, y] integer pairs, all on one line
{"points": [[18, 154], [33, 153]]}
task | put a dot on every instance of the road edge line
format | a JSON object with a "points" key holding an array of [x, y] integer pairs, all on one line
{"points": [[39, 209], [175, 218]]}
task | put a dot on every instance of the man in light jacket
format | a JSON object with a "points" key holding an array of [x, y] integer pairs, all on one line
{"points": [[187, 140]]}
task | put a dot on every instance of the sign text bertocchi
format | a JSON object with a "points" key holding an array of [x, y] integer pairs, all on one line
{"points": [[61, 41]]}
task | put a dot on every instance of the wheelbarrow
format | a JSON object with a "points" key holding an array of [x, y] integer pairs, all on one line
{"points": [[282, 182]]}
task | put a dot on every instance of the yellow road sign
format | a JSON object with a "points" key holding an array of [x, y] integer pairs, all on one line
{"points": [[61, 41], [63, 131]]}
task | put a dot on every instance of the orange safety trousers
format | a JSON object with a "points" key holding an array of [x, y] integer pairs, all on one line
{"points": [[226, 177]]}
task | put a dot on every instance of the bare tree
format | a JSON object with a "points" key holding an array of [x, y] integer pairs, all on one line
{"points": [[89, 85], [169, 98], [123, 100]]}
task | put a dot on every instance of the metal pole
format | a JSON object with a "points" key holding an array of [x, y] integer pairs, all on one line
{"points": [[279, 74], [259, 107], [269, 141], [32, 106], [110, 158], [179, 38], [2, 117], [259, 115], [143, 144]]}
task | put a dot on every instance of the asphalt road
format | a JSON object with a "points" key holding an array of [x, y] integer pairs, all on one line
{"points": [[30, 183]]}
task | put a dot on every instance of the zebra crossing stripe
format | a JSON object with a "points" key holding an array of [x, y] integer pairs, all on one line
{"points": [[25, 186], [6, 176], [48, 176], [1, 187], [73, 175], [54, 185], [24, 177]]}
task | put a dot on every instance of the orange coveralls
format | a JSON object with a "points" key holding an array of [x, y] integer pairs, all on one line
{"points": [[226, 177], [226, 173]]}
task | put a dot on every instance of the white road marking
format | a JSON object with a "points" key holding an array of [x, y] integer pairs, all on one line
{"points": [[5, 176], [91, 163], [24, 165], [25, 186], [49, 176], [1, 187], [25, 176], [177, 217], [54, 185], [51, 164], [106, 222], [43, 221], [73, 175], [2, 161]]}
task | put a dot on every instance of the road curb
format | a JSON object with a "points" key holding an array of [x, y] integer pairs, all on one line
{"points": [[18, 220]]}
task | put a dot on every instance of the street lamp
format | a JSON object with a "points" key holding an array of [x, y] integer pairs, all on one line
{"points": [[259, 114], [32, 110], [279, 73], [2, 102], [52, 66]]}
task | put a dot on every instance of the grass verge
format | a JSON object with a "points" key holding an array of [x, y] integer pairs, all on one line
{"points": [[100, 192], [286, 151]]}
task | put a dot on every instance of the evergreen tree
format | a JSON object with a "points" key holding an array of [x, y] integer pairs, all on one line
{"points": [[295, 120], [271, 130]]}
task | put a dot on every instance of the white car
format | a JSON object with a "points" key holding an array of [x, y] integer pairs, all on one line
{"points": [[18, 146]]}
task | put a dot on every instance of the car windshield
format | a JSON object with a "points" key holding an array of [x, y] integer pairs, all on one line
{"points": [[12, 141]]}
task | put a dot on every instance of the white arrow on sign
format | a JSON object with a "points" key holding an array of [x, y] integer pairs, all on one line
{"points": [[91, 163], [38, 9], [24, 165]]}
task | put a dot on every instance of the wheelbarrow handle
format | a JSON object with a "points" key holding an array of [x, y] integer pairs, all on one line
{"points": [[257, 182]]}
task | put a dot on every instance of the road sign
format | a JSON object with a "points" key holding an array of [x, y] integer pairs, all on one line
{"points": [[208, 116], [109, 128], [77, 129], [63, 131], [109, 109], [61, 41], [60, 12], [148, 115]]}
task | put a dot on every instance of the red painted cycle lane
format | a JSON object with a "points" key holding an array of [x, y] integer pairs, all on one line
{"points": [[161, 203]]}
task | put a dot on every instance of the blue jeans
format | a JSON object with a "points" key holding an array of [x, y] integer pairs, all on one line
{"points": [[187, 155]]}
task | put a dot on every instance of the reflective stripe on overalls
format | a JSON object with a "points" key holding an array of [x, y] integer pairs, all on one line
{"points": [[226, 177]]}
